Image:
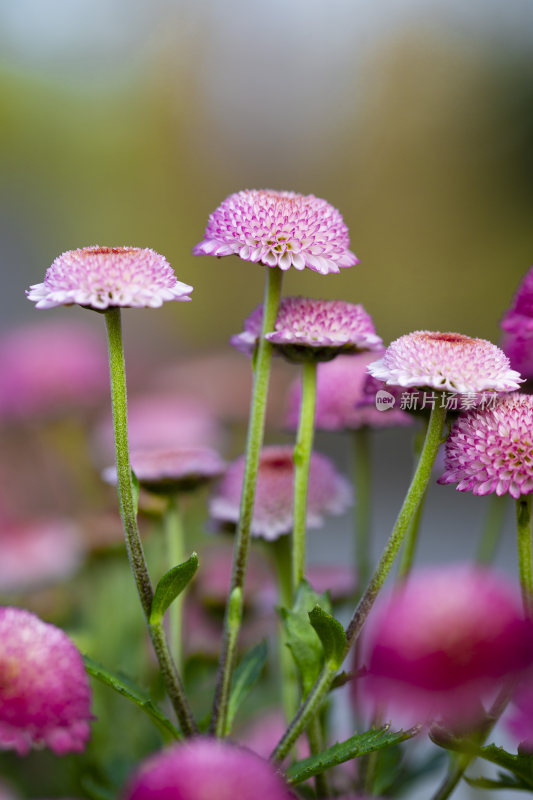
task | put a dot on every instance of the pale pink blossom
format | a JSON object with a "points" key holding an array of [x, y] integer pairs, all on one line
{"points": [[328, 492], [279, 229], [165, 471], [446, 361], [103, 277]]}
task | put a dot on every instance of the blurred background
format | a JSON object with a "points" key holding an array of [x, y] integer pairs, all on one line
{"points": [[126, 123]]}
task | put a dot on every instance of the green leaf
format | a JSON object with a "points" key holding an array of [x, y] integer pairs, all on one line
{"points": [[128, 689], [136, 491], [504, 783], [300, 636], [520, 765], [331, 634], [359, 745], [170, 586], [245, 676]]}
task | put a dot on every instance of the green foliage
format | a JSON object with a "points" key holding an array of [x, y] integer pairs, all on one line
{"points": [[519, 774], [244, 677], [127, 688], [170, 586], [331, 634], [357, 745]]}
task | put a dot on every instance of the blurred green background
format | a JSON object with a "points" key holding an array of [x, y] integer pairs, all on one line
{"points": [[126, 122]]}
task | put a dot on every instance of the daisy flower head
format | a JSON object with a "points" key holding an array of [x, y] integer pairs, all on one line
{"points": [[328, 493], [44, 693], [206, 768], [312, 330], [440, 645], [107, 277], [279, 229], [167, 471], [491, 450], [446, 361]]}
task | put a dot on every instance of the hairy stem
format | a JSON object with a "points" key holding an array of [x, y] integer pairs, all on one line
{"points": [[302, 460]]}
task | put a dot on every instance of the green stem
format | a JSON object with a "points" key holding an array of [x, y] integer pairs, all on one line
{"points": [[492, 529], [281, 551], [411, 540], [414, 495], [302, 460], [175, 546], [316, 745], [525, 552], [128, 515], [363, 505], [254, 443]]}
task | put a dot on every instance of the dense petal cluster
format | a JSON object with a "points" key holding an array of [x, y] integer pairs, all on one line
{"points": [[328, 492], [439, 645], [492, 450], [165, 471], [309, 328], [44, 690], [279, 229], [206, 768], [446, 361], [346, 397], [45, 368], [103, 277]]}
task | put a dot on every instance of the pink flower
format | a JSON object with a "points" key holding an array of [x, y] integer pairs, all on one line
{"points": [[279, 229], [44, 691], [492, 450], [37, 553], [103, 277], [317, 329], [49, 367], [206, 768], [438, 646], [446, 361], [161, 421], [519, 350], [167, 471], [337, 579], [328, 492], [346, 397], [519, 316]]}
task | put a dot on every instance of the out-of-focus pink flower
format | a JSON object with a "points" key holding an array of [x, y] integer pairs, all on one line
{"points": [[519, 350], [520, 719], [213, 580], [44, 692], [279, 229], [519, 317], [37, 553], [312, 329], [50, 367], [328, 492], [440, 645], [179, 470], [446, 361], [346, 397], [103, 277], [161, 422], [206, 768], [264, 732], [337, 579], [492, 450]]}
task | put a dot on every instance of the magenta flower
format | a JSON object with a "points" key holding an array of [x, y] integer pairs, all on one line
{"points": [[307, 328], [279, 229], [37, 553], [165, 471], [519, 317], [446, 361], [206, 768], [103, 277], [346, 397], [44, 691], [492, 450], [519, 350], [49, 367], [328, 492], [438, 646]]}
